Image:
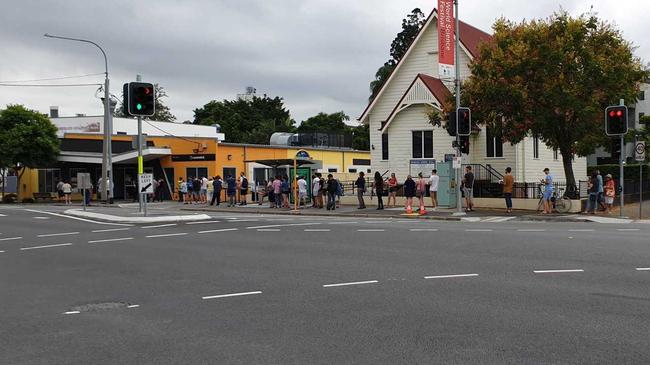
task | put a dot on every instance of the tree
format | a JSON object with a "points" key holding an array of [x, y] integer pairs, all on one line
{"points": [[552, 79], [410, 27], [161, 113], [245, 121], [327, 123], [27, 140]]}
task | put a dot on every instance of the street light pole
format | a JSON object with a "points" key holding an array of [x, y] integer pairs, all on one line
{"points": [[459, 201], [107, 160]]}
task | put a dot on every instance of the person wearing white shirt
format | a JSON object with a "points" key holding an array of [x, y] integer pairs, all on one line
{"points": [[434, 181], [315, 190], [302, 190]]}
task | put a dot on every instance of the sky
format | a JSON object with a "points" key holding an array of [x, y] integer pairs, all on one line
{"points": [[319, 55]]}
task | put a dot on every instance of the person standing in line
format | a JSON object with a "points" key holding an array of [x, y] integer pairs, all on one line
{"points": [[217, 185], [302, 191], [59, 190], [547, 195], [210, 193], [409, 193], [286, 190], [378, 184], [610, 192], [331, 188], [468, 189], [314, 204], [204, 190], [361, 189], [261, 192], [318, 190], [243, 192], [277, 192], [182, 191], [339, 192], [152, 197], [231, 190], [270, 192], [67, 191], [601, 191], [421, 191], [392, 190], [434, 181], [197, 190], [190, 194], [508, 184], [592, 203]]}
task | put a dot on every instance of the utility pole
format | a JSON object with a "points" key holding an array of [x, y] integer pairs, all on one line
{"points": [[107, 160], [459, 201], [621, 163], [142, 198]]}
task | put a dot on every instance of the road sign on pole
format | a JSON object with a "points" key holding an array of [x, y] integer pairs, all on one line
{"points": [[639, 151], [145, 183]]}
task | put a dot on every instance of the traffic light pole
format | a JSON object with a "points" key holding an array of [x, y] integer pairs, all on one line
{"points": [[621, 163], [459, 156]]}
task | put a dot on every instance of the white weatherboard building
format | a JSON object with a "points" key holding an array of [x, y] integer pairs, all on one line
{"points": [[401, 137]]}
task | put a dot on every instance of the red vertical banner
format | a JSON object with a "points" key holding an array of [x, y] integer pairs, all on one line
{"points": [[446, 45]]}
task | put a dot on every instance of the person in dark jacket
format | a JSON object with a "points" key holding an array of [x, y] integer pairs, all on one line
{"points": [[332, 188], [196, 190], [361, 189], [217, 185], [231, 190], [379, 190], [409, 191]]}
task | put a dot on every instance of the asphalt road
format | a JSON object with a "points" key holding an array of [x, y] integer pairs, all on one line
{"points": [[253, 289]]}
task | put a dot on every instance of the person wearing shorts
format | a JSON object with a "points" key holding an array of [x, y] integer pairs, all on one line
{"points": [[392, 190], [548, 191], [610, 192], [434, 181], [468, 189]]}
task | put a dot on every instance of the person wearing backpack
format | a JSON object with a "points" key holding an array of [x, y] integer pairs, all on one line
{"points": [[332, 187], [243, 183], [286, 190]]}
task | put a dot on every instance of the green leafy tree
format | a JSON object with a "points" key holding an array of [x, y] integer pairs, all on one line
{"points": [[335, 123], [27, 139], [161, 113], [246, 121], [410, 27], [553, 79]]}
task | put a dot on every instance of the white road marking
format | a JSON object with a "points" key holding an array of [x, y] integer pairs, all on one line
{"points": [[72, 312], [57, 234], [581, 230], [556, 271], [10, 238], [628, 229], [2, 252], [76, 218], [531, 230], [282, 225], [160, 226], [643, 269], [342, 222], [166, 235], [231, 295], [371, 230], [110, 230], [497, 219], [352, 283], [133, 306], [220, 230], [45, 246], [478, 230], [203, 222], [3, 215], [423, 230], [111, 240], [317, 230], [451, 276], [378, 222], [269, 230]]}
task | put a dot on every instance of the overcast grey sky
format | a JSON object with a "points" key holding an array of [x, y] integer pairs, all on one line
{"points": [[319, 55]]}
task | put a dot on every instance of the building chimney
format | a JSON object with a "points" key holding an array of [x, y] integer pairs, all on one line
{"points": [[54, 112]]}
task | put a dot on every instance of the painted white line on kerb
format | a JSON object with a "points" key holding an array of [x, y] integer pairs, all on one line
{"points": [[282, 225], [353, 283], [628, 229], [11, 238], [581, 230], [76, 218], [643, 269], [423, 230], [231, 295], [160, 226], [531, 230], [133, 306], [57, 234], [166, 235], [317, 230], [556, 271], [204, 222], [478, 230], [220, 230], [451, 276], [45, 246], [72, 312], [110, 230], [111, 240], [371, 230]]}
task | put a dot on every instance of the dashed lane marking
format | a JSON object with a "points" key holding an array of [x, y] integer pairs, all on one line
{"points": [[628, 229], [72, 312], [643, 269], [111, 240], [230, 295], [352, 283], [133, 306], [531, 230], [581, 230], [451, 276], [342, 222], [3, 215], [204, 222], [282, 225], [423, 230], [45, 246], [166, 235], [160, 226], [317, 230], [57, 234], [11, 238], [478, 230], [110, 230], [2, 252], [41, 217], [557, 271], [371, 230], [219, 230]]}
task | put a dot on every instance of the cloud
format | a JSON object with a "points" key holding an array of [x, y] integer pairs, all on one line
{"points": [[318, 55]]}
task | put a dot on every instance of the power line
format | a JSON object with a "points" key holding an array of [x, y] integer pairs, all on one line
{"points": [[48, 85], [51, 79]]}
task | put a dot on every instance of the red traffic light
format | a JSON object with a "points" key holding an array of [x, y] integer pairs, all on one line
{"points": [[612, 113], [619, 113]]}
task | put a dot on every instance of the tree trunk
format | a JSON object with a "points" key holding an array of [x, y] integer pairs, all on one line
{"points": [[4, 181], [567, 163], [20, 179]]}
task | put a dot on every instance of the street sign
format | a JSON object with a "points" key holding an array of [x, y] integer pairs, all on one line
{"points": [[83, 180], [639, 151], [145, 183], [457, 162]]}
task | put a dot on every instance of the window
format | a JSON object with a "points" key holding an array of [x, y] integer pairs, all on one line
{"points": [[556, 154], [199, 172], [384, 146], [536, 147], [226, 171], [642, 95], [493, 143], [332, 170], [422, 144], [47, 180], [641, 115], [352, 170]]}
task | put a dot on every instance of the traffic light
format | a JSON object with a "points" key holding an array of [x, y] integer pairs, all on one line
{"points": [[616, 148], [451, 124], [464, 121], [616, 120], [139, 99], [464, 144]]}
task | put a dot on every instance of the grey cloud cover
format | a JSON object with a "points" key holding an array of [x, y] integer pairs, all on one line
{"points": [[318, 55]]}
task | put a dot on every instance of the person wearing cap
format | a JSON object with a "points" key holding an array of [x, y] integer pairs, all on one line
{"points": [[548, 191]]}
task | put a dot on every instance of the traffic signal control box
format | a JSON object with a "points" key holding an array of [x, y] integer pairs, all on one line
{"points": [[139, 99], [616, 120]]}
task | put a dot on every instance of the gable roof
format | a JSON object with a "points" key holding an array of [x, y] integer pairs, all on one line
{"points": [[470, 38], [413, 95]]}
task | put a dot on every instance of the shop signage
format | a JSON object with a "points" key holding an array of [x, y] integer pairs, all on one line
{"points": [[179, 158], [446, 45]]}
